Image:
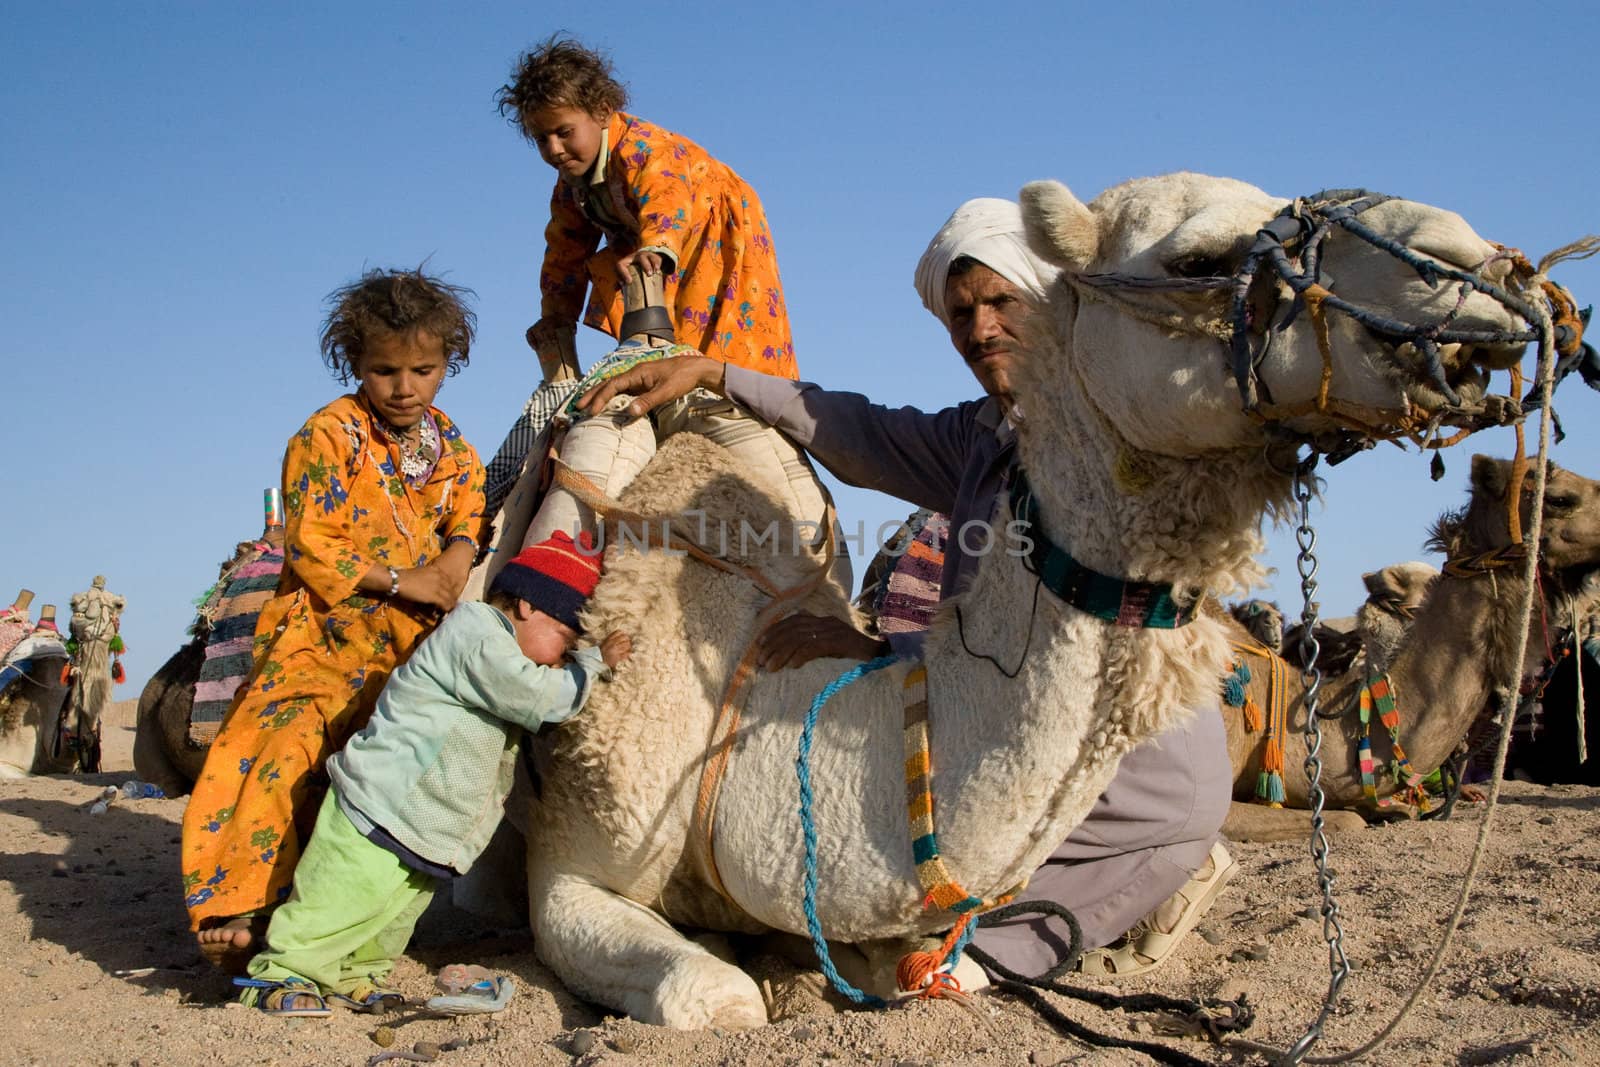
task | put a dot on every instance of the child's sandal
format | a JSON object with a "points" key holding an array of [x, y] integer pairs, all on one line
{"points": [[293, 998], [368, 999]]}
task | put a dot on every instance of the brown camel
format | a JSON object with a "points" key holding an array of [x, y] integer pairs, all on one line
{"points": [[1461, 645]]}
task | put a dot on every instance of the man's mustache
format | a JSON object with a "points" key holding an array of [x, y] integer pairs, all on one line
{"points": [[975, 354]]}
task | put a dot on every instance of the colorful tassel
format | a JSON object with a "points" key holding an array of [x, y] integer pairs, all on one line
{"points": [[1275, 794], [1233, 693], [118, 675], [116, 645], [1252, 715], [66, 674]]}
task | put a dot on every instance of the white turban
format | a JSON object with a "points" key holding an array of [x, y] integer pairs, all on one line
{"points": [[988, 230]]}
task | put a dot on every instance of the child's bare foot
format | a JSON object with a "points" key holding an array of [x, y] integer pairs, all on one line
{"points": [[228, 946]]}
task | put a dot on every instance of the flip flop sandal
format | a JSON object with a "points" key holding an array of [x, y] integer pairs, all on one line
{"points": [[480, 998], [292, 999], [368, 1000]]}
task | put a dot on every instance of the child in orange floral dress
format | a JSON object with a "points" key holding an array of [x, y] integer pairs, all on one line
{"points": [[661, 202], [383, 505]]}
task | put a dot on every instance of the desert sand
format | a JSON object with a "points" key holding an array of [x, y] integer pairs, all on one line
{"points": [[103, 971]]}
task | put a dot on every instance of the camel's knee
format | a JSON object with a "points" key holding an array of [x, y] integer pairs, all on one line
{"points": [[621, 954], [699, 992]]}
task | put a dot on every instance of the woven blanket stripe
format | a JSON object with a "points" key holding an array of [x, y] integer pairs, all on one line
{"points": [[911, 592], [246, 603], [257, 583], [224, 668], [232, 628], [228, 660], [267, 564], [217, 691]]}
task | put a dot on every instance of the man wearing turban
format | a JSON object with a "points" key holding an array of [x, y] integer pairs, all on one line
{"points": [[1146, 863]]}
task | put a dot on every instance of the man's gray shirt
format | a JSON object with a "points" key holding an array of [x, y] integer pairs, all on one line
{"points": [[953, 460]]}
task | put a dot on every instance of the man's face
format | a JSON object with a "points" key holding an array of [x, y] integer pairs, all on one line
{"points": [[986, 317]]}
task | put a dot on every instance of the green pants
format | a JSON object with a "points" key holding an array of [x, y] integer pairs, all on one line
{"points": [[352, 910]]}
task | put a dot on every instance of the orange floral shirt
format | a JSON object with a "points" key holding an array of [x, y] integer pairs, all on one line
{"points": [[652, 188]]}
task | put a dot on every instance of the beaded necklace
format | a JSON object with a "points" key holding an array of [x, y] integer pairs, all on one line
{"points": [[416, 461]]}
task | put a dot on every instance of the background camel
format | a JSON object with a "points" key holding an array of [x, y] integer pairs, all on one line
{"points": [[95, 647], [1460, 645], [1139, 458], [32, 691]]}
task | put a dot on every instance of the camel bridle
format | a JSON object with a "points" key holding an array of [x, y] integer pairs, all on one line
{"points": [[1290, 248]]}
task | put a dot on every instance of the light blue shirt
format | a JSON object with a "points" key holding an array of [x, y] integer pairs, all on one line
{"points": [[434, 764]]}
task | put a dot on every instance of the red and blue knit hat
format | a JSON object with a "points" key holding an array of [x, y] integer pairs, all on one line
{"points": [[554, 576]]}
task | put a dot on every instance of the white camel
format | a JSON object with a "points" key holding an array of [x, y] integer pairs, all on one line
{"points": [[1141, 462]]}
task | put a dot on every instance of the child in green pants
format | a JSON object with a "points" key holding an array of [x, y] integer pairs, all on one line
{"points": [[417, 794]]}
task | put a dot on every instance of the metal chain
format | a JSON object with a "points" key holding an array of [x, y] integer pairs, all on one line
{"points": [[1306, 563]]}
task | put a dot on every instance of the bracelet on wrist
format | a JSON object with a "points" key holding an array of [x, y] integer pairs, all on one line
{"points": [[394, 582]]}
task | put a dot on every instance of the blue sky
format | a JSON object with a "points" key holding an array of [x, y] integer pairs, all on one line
{"points": [[181, 184]]}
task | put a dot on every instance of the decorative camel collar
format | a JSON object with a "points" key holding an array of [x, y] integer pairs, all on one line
{"points": [[1147, 605]]}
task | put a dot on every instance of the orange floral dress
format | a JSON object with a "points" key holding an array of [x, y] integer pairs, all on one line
{"points": [[651, 188], [322, 649]]}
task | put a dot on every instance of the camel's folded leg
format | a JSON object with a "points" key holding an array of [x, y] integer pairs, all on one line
{"points": [[1261, 824], [624, 956]]}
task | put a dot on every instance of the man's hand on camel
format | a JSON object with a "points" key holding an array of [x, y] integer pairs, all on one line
{"points": [[799, 639], [655, 383]]}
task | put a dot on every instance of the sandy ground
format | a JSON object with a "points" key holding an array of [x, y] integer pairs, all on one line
{"points": [[102, 970]]}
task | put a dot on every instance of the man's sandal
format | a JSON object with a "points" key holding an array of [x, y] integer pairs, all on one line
{"points": [[368, 998], [1147, 945], [292, 998]]}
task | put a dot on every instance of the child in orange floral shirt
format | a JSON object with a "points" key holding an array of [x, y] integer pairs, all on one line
{"points": [[383, 507], [661, 202]]}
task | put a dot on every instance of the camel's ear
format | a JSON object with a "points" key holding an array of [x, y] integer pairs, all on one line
{"points": [[1059, 227], [1490, 475]]}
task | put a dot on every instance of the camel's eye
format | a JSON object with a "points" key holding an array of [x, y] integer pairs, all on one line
{"points": [[1560, 502], [1201, 266]]}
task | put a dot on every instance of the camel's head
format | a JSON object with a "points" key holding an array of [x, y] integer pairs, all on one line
{"points": [[1399, 589], [1176, 314], [1262, 618], [1569, 538]]}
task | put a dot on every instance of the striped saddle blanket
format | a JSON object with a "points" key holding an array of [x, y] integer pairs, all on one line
{"points": [[227, 617]]}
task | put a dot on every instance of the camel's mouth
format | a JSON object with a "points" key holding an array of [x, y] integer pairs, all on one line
{"points": [[1450, 378]]}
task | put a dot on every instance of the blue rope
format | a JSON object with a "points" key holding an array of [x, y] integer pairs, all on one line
{"points": [[802, 770]]}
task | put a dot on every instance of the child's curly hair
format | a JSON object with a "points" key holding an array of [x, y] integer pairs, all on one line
{"points": [[396, 302], [560, 72]]}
